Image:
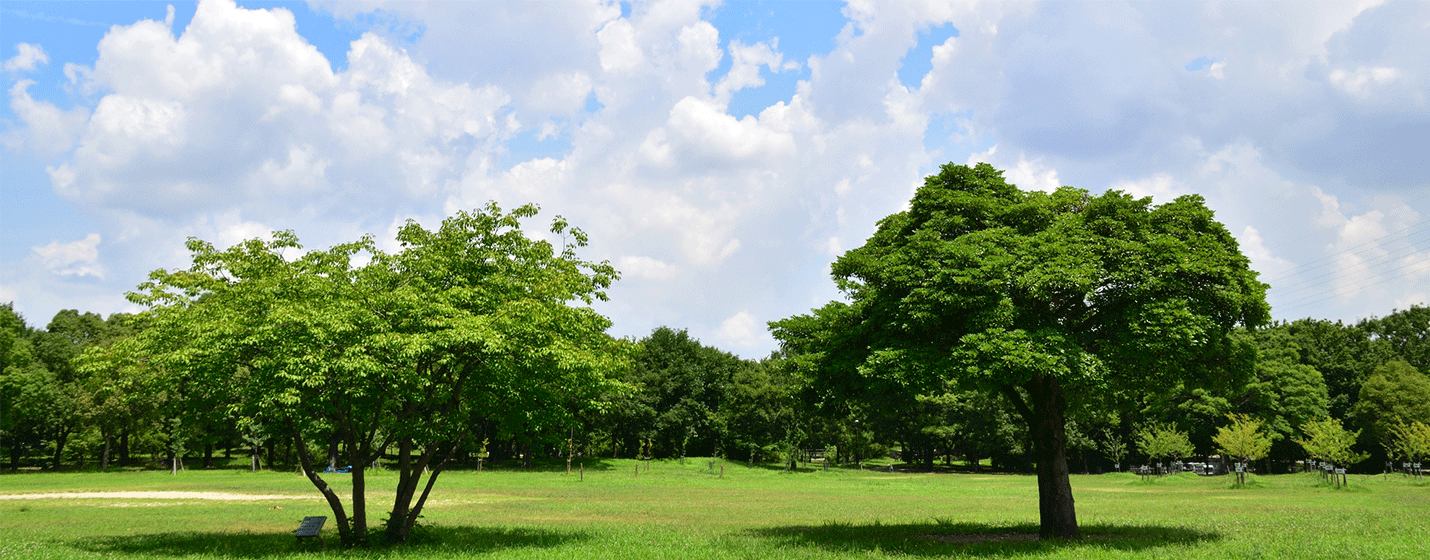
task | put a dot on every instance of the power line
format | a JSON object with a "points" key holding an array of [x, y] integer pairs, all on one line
{"points": [[1364, 264], [1305, 301], [1329, 259]]}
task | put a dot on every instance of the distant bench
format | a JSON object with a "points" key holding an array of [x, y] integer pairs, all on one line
{"points": [[310, 527]]}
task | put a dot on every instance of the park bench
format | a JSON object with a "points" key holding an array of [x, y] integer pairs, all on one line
{"points": [[310, 527]]}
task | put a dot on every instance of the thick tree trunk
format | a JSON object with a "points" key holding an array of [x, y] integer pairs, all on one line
{"points": [[1044, 414], [104, 458], [209, 455]]}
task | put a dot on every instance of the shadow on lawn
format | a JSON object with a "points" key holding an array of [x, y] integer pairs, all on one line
{"points": [[425, 542], [975, 539]]}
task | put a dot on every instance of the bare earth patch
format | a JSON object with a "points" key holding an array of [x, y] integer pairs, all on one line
{"points": [[156, 496]]}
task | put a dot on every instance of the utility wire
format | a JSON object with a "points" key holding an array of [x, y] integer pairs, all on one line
{"points": [[1364, 264], [1328, 260], [1312, 290], [1305, 302]]}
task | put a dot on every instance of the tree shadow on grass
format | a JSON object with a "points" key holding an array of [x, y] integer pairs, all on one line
{"points": [[426, 541], [976, 539]]}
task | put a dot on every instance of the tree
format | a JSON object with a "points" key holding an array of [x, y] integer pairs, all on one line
{"points": [[1050, 299], [1344, 355], [1328, 441], [1411, 441], [1162, 441], [472, 320], [26, 388], [1405, 332], [1243, 440], [685, 384], [1395, 394], [759, 408], [1114, 448]]}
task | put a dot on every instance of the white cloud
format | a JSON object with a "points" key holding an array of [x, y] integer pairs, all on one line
{"points": [[76, 258], [1359, 82], [704, 130], [1262, 259], [231, 229], [238, 126], [743, 330], [240, 99], [619, 51], [47, 129], [27, 57], [647, 268], [1161, 187], [745, 67], [1026, 174], [560, 93]]}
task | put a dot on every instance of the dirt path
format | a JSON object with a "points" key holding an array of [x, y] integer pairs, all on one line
{"points": [[158, 496]]}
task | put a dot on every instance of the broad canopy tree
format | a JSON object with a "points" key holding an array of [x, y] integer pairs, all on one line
{"points": [[367, 349], [1048, 299]]}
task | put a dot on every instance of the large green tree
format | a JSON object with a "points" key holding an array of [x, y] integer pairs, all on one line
{"points": [[1049, 299], [1405, 333], [1395, 394], [365, 349]]}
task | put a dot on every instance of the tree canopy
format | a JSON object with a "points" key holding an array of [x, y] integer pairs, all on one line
{"points": [[367, 349], [1048, 299]]}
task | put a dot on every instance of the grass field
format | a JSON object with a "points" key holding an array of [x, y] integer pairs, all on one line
{"points": [[688, 511]]}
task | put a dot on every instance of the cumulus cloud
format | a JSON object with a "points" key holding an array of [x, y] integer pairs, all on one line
{"points": [[647, 268], [743, 330], [27, 57], [241, 111], [46, 129], [1026, 174], [1300, 130], [76, 258]]}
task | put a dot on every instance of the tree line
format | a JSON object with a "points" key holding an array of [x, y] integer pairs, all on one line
{"points": [[1042, 332]]}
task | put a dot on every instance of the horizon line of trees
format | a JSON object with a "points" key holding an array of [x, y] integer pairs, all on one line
{"points": [[60, 409]]}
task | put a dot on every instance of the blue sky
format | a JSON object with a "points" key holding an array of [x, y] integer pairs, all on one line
{"points": [[719, 154]]}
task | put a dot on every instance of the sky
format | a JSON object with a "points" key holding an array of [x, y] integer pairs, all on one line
{"points": [[720, 155]]}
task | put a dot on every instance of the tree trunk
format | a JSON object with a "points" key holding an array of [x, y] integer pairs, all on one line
{"points": [[404, 514], [104, 458], [1047, 425], [60, 440], [209, 455], [359, 498], [397, 530], [345, 531], [124, 447], [333, 451]]}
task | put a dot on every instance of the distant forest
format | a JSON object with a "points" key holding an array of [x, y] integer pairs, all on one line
{"points": [[681, 398]]}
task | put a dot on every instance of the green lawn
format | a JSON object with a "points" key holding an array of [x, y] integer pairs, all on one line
{"points": [[687, 511]]}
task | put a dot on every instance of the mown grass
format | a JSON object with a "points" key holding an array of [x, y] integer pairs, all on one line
{"points": [[689, 511]]}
